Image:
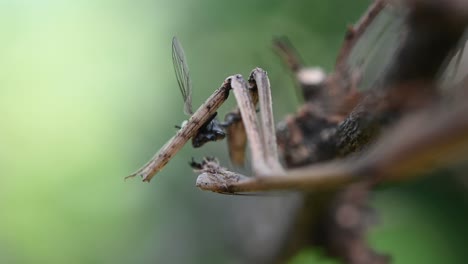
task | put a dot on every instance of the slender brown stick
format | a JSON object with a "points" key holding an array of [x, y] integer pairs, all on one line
{"points": [[196, 121]]}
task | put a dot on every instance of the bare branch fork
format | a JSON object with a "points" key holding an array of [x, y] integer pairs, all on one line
{"points": [[378, 162]]}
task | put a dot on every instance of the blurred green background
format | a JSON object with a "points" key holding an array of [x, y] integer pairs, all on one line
{"points": [[88, 94]]}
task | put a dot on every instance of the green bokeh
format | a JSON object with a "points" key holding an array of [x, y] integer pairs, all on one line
{"points": [[87, 94]]}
